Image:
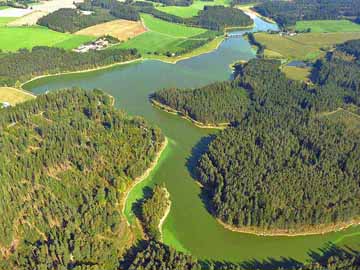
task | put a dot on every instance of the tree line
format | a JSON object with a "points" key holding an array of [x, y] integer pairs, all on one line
{"points": [[286, 13], [24, 64]]}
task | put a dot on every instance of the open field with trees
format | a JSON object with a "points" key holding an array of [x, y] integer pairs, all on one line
{"points": [[12, 38], [327, 26], [121, 29], [14, 96], [308, 46]]}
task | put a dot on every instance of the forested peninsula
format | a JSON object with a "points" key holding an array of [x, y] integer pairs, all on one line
{"points": [[24, 65], [288, 164], [67, 158]]}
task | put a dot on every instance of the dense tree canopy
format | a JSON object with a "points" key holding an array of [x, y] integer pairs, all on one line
{"points": [[153, 210], [283, 166], [66, 157], [220, 102], [286, 13], [72, 20], [24, 65]]}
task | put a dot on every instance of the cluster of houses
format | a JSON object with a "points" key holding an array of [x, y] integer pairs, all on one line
{"points": [[97, 45], [287, 33]]}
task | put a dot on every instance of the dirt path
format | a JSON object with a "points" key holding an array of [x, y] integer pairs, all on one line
{"points": [[167, 212]]}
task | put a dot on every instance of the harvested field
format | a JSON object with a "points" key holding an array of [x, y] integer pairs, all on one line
{"points": [[29, 19], [121, 29]]}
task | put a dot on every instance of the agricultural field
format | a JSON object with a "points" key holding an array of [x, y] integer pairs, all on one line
{"points": [[13, 96], [309, 46], [121, 29], [29, 19], [327, 26], [162, 36], [192, 10], [5, 20], [12, 38]]}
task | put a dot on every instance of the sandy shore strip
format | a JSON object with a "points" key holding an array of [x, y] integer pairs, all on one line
{"points": [[167, 212], [311, 230], [141, 178]]}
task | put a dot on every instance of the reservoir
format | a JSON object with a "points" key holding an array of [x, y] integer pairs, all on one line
{"points": [[189, 226]]}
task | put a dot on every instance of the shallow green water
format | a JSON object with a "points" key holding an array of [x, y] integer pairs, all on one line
{"points": [[189, 226]]}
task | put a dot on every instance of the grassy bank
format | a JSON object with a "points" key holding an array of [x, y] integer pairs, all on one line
{"points": [[327, 26], [308, 46]]}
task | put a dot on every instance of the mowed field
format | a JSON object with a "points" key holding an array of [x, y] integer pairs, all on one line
{"points": [[12, 38], [192, 10], [13, 95], [161, 36], [309, 46], [328, 26], [121, 29]]}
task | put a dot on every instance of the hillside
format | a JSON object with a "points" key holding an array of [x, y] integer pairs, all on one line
{"points": [[67, 158]]}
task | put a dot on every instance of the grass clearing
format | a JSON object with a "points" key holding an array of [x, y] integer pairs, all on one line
{"points": [[171, 29], [309, 46], [192, 10], [349, 119], [296, 73], [162, 37], [327, 26], [121, 29], [12, 38], [13, 95]]}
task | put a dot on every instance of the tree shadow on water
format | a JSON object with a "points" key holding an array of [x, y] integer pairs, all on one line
{"points": [[196, 152]]}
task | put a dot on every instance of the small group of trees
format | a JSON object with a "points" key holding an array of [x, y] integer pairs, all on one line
{"points": [[153, 210]]}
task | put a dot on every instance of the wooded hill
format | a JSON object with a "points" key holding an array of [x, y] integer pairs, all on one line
{"points": [[66, 159], [211, 17], [24, 65], [282, 167], [286, 13]]}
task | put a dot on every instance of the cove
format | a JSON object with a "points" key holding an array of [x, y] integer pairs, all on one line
{"points": [[189, 226]]}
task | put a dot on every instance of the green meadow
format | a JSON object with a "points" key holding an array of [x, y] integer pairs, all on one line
{"points": [[6, 20], [162, 36], [12, 38], [323, 26], [192, 10]]}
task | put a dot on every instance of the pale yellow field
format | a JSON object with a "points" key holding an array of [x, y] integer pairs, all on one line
{"points": [[29, 19], [13, 95], [121, 29]]}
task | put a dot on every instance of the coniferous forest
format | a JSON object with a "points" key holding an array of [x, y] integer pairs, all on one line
{"points": [[307, 174], [66, 159], [286, 13], [24, 65]]}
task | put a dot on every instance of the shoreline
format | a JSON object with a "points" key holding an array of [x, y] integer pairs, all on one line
{"points": [[167, 212], [315, 230], [141, 178], [79, 71], [178, 113]]}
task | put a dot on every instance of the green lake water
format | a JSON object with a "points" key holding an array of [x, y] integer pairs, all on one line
{"points": [[189, 226]]}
